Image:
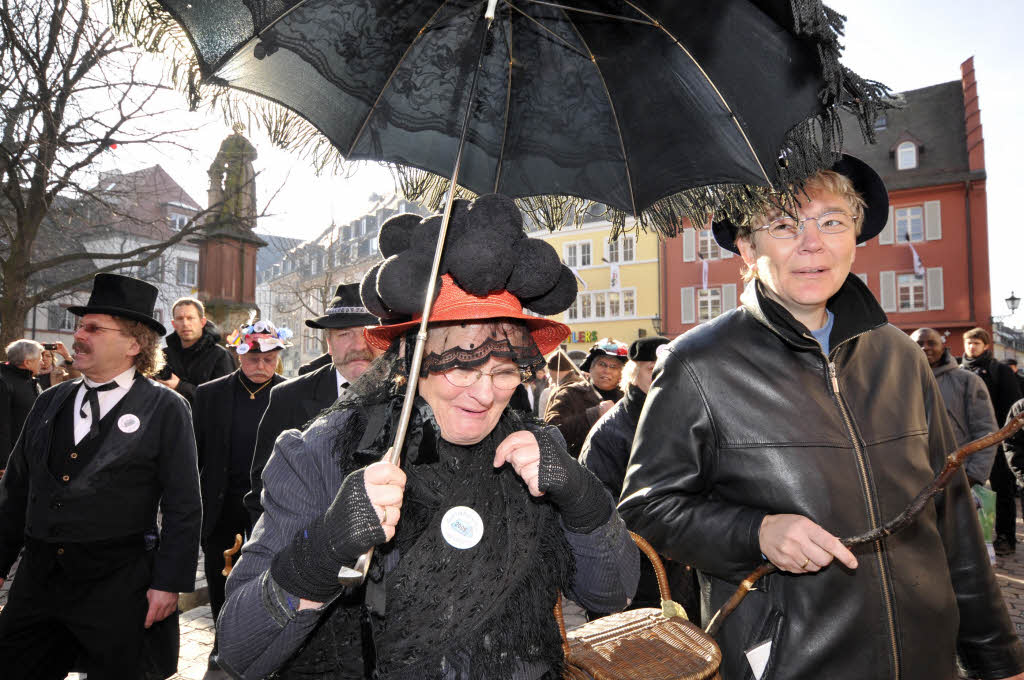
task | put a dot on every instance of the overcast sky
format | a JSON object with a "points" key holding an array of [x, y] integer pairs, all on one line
{"points": [[906, 44]]}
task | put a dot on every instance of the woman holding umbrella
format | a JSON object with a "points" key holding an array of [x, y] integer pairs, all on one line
{"points": [[485, 522]]}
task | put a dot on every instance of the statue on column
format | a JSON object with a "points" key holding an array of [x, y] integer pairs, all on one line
{"points": [[233, 183]]}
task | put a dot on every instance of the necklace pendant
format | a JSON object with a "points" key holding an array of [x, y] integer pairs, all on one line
{"points": [[252, 396]]}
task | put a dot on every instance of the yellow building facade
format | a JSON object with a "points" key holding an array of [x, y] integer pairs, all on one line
{"points": [[618, 283]]}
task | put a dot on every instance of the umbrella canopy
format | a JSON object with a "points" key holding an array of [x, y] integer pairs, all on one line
{"points": [[624, 102]]}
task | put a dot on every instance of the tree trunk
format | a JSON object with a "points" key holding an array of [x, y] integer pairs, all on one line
{"points": [[14, 307]]}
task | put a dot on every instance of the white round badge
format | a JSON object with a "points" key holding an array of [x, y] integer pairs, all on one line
{"points": [[128, 423], [462, 527]]}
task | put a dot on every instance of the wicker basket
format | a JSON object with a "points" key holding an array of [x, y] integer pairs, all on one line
{"points": [[641, 644]]}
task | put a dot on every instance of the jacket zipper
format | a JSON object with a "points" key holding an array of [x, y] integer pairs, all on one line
{"points": [[862, 467]]}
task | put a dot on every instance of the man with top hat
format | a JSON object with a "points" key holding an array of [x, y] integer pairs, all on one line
{"points": [[575, 406], [297, 402], [96, 458], [799, 418], [227, 413]]}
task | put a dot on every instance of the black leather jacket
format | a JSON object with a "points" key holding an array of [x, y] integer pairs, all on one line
{"points": [[747, 417]]}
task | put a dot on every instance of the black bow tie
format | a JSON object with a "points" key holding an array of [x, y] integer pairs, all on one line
{"points": [[94, 405]]}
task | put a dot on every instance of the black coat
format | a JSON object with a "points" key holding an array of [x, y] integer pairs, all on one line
{"points": [[606, 448], [118, 491], [747, 417], [999, 378], [18, 391], [202, 362], [292, 406], [212, 415], [319, 362]]}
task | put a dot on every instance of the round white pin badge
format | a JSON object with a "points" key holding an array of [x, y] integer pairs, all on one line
{"points": [[128, 423], [462, 527]]}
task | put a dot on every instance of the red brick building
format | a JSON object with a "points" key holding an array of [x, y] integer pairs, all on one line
{"points": [[931, 155]]}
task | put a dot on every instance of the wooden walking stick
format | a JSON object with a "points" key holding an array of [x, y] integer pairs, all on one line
{"points": [[953, 462]]}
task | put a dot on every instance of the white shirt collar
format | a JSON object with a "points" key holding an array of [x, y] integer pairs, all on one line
{"points": [[123, 380]]}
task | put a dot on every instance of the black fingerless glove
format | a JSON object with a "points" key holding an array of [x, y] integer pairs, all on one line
{"points": [[581, 498], [308, 566]]}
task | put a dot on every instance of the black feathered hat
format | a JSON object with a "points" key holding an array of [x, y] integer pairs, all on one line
{"points": [[865, 181], [122, 296], [345, 310]]}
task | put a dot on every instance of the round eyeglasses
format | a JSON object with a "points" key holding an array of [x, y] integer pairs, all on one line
{"points": [[789, 227], [503, 379]]}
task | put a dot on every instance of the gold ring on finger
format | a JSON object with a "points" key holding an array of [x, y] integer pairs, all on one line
{"points": [[806, 562], [385, 520]]}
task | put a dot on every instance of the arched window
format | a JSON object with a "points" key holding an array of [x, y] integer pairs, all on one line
{"points": [[906, 156]]}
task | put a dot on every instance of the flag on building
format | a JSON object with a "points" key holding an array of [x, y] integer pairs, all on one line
{"points": [[918, 265]]}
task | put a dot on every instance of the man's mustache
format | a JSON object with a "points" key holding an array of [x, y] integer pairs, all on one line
{"points": [[357, 355]]}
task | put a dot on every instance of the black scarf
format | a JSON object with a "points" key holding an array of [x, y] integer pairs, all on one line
{"points": [[979, 362]]}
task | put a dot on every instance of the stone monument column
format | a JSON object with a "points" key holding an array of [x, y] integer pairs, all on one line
{"points": [[227, 245]]}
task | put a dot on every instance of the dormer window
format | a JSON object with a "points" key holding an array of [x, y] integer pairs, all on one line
{"points": [[906, 156]]}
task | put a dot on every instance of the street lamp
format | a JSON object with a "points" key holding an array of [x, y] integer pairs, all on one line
{"points": [[656, 322], [1012, 303]]}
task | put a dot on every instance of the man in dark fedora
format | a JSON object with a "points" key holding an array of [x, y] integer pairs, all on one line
{"points": [[96, 458], [227, 412], [298, 401]]}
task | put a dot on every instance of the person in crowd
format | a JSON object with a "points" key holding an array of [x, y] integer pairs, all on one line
{"points": [[560, 370], [52, 372], [80, 494], [537, 387], [1014, 446], [18, 391], [1012, 363], [800, 417], [193, 354], [295, 403], [605, 453], [966, 399], [1004, 391], [484, 523], [227, 414], [575, 406]]}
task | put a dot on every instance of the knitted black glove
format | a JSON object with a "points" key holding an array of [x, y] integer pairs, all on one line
{"points": [[581, 498], [308, 566]]}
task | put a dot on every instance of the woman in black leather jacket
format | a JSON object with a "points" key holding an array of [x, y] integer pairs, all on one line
{"points": [[800, 417]]}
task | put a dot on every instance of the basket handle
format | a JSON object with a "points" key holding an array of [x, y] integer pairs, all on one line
{"points": [[659, 572]]}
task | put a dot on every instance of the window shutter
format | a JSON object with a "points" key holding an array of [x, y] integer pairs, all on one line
{"points": [[932, 220], [728, 296], [725, 253], [886, 237], [607, 251], [689, 245], [689, 314], [887, 282], [863, 277], [936, 295]]}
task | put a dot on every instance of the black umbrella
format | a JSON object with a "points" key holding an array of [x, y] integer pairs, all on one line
{"points": [[650, 106], [624, 102]]}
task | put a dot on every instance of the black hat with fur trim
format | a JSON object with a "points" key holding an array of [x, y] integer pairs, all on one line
{"points": [[646, 349], [865, 181], [345, 310], [486, 250]]}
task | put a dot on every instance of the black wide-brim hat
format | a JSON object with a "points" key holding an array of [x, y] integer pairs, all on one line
{"points": [[865, 181], [124, 297], [345, 310]]}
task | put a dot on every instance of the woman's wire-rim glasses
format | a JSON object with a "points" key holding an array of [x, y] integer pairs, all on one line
{"points": [[786, 227], [502, 379]]}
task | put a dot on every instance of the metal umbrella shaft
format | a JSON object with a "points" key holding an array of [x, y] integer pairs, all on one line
{"points": [[352, 576]]}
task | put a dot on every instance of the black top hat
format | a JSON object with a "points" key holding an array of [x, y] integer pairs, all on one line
{"points": [[345, 310], [122, 296], [866, 182]]}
